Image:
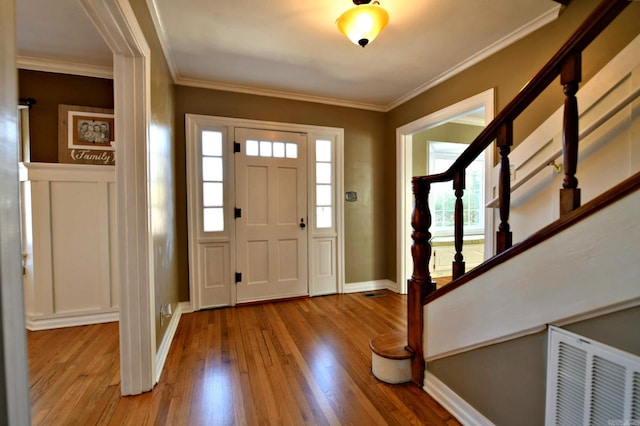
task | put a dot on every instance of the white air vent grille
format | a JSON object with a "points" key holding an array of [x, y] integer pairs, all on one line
{"points": [[635, 396], [590, 383]]}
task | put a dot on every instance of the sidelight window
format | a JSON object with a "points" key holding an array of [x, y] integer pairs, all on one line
{"points": [[212, 182], [324, 184]]}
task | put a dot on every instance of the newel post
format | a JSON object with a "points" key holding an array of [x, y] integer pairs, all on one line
{"points": [[570, 77], [504, 237], [419, 284]]}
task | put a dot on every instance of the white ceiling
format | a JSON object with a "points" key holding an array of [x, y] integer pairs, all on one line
{"points": [[292, 48]]}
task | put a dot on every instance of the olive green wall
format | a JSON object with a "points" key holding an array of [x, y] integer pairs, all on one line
{"points": [[507, 71], [619, 329], [50, 90], [365, 168], [506, 382], [161, 174]]}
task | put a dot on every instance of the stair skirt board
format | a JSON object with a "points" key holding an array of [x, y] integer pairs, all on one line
{"points": [[453, 403]]}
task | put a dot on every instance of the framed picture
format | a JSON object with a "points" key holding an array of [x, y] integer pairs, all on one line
{"points": [[85, 135], [90, 131]]}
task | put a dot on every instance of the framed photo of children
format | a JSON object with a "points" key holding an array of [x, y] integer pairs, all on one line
{"points": [[85, 135]]}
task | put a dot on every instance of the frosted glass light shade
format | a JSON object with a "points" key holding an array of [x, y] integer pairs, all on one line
{"points": [[362, 24]]}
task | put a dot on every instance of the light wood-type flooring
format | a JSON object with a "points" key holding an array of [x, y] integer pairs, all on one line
{"points": [[304, 361]]}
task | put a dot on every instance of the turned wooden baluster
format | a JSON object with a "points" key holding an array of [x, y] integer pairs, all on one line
{"points": [[570, 77], [504, 141], [458, 259], [420, 284]]}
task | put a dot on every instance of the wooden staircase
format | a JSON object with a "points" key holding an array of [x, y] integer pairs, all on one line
{"points": [[398, 357]]}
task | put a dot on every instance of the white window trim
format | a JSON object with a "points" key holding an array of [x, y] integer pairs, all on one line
{"points": [[470, 232]]}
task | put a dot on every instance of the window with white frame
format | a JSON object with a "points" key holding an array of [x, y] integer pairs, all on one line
{"points": [[324, 184], [442, 198], [212, 181], [276, 149]]}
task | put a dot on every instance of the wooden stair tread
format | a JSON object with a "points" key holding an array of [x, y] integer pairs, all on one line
{"points": [[391, 345]]}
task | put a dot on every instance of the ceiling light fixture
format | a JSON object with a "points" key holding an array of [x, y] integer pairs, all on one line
{"points": [[362, 23]]}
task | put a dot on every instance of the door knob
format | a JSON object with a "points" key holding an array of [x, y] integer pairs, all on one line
{"points": [[302, 224]]}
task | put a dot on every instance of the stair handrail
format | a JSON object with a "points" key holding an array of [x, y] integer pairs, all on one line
{"points": [[566, 63]]}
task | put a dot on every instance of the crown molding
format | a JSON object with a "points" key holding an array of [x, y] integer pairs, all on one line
{"points": [[62, 67], [162, 37], [516, 35], [277, 94]]}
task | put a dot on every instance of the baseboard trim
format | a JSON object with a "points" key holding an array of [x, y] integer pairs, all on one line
{"points": [[369, 286], [453, 403], [186, 307], [163, 350], [37, 324]]}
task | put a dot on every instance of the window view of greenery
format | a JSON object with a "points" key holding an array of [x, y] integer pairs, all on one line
{"points": [[442, 198]]}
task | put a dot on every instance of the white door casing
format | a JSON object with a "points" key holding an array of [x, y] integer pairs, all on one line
{"points": [[117, 23], [14, 370], [271, 231], [212, 255]]}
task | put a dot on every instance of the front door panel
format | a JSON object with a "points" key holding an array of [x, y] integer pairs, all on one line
{"points": [[271, 234]]}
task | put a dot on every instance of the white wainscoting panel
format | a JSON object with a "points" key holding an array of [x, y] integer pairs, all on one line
{"points": [[69, 227], [323, 274]]}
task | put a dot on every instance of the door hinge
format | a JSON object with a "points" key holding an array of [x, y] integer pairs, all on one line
{"points": [[237, 213], [238, 277], [236, 147]]}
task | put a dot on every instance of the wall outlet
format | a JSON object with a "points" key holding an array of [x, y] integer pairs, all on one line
{"points": [[512, 173]]}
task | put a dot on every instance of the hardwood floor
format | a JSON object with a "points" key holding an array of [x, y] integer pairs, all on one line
{"points": [[304, 361]]}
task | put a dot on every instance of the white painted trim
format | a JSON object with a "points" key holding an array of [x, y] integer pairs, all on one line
{"points": [[16, 407], [583, 316], [186, 307], [404, 197], [162, 36], [578, 287], [61, 67], [165, 345], [481, 55], [369, 286], [453, 403], [36, 324], [340, 273], [194, 122], [68, 172], [118, 25]]}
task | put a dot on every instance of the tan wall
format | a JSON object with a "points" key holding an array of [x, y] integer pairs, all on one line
{"points": [[162, 174], [49, 90], [508, 71], [365, 168]]}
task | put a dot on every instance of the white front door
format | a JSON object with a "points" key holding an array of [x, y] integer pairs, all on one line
{"points": [[271, 220]]}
